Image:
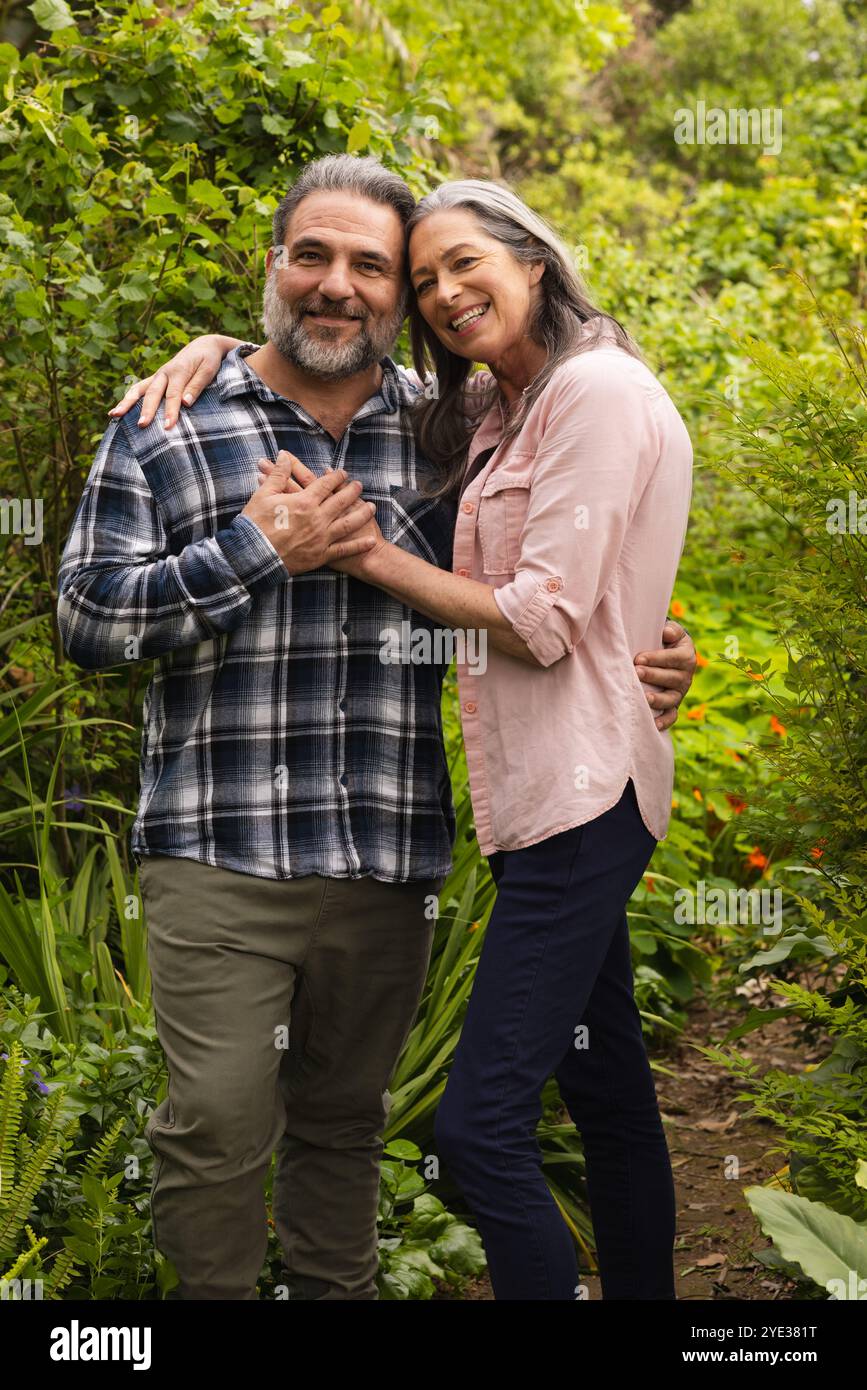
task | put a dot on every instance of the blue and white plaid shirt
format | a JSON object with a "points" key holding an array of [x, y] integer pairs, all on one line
{"points": [[275, 740]]}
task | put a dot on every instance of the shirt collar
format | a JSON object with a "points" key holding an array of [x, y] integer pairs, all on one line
{"points": [[235, 378]]}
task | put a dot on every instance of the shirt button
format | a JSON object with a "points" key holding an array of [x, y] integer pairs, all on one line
{"points": [[343, 780], [465, 573], [467, 507], [345, 627], [343, 704], [553, 585], [471, 707]]}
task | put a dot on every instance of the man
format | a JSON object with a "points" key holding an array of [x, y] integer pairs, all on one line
{"points": [[295, 821]]}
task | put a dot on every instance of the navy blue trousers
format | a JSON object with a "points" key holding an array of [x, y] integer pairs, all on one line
{"points": [[553, 994]]}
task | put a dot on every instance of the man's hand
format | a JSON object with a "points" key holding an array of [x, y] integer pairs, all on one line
{"points": [[365, 539], [311, 526], [667, 673]]}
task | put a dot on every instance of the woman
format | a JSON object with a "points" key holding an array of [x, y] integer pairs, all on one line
{"points": [[574, 482]]}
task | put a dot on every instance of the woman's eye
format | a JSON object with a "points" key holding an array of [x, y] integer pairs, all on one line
{"points": [[464, 260], [422, 286]]}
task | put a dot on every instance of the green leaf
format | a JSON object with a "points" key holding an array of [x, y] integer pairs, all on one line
{"points": [[402, 1148], [830, 1248], [30, 303], [276, 125], [91, 284], [52, 15], [359, 136], [94, 1193]]}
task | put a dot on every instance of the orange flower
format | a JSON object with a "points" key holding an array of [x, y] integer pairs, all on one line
{"points": [[701, 660], [677, 609], [735, 755], [698, 713], [651, 886], [697, 794], [777, 727], [756, 675], [674, 803], [817, 851], [757, 860], [737, 804]]}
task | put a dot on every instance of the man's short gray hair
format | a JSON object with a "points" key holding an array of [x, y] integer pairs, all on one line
{"points": [[345, 173]]}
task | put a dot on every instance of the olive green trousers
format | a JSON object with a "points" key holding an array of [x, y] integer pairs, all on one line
{"points": [[282, 1008]]}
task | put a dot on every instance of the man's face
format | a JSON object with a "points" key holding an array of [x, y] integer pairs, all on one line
{"points": [[335, 292]]}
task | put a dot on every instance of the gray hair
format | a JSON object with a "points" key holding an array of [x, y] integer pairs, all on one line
{"points": [[563, 308], [362, 175]]}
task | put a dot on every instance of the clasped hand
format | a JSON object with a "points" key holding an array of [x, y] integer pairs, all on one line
{"points": [[313, 521]]}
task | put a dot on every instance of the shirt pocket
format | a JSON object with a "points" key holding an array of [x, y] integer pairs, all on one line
{"points": [[422, 525], [503, 506]]}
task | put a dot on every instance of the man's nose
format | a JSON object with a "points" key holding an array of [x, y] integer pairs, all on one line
{"points": [[336, 282]]}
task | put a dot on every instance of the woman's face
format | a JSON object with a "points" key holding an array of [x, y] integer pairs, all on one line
{"points": [[468, 286]]}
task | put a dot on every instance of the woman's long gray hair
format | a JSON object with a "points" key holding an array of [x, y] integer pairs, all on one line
{"points": [[444, 424]]}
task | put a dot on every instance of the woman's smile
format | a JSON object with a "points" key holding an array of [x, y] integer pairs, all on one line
{"points": [[467, 319]]}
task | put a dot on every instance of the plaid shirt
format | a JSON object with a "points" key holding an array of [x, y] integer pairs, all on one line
{"points": [[275, 740]]}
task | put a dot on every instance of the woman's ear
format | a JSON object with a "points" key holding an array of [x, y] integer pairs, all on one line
{"points": [[537, 270]]}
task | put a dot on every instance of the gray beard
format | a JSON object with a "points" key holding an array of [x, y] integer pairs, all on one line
{"points": [[327, 358]]}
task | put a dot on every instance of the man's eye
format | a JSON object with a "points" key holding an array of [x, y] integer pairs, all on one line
{"points": [[370, 265], [303, 254]]}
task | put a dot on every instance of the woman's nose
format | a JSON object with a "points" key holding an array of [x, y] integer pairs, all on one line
{"points": [[448, 292]]}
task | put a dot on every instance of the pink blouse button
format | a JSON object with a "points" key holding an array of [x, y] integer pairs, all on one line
{"points": [[464, 573], [552, 585], [467, 507], [470, 706]]}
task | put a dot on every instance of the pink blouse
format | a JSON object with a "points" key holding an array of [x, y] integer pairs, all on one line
{"points": [[578, 523]]}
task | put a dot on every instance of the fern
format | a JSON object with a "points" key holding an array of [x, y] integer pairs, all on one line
{"points": [[11, 1106], [18, 1191], [99, 1154]]}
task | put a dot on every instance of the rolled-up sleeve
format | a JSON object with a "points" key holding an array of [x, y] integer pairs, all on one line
{"points": [[599, 443]]}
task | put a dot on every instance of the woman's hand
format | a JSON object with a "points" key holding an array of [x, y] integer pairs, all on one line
{"points": [[367, 530], [182, 379]]}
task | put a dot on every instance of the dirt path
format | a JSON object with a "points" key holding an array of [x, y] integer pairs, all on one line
{"points": [[716, 1231]]}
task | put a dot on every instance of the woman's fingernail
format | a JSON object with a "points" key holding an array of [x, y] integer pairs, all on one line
{"points": [[188, 398]]}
